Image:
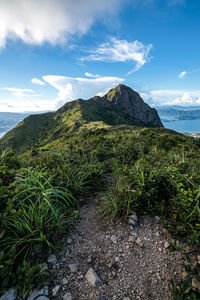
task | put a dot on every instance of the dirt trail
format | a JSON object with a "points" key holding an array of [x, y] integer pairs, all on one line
{"points": [[138, 270]]}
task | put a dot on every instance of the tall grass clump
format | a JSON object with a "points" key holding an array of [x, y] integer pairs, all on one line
{"points": [[78, 171], [117, 201], [33, 219]]}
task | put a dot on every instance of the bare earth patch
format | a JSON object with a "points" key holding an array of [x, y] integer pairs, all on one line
{"points": [[138, 268]]}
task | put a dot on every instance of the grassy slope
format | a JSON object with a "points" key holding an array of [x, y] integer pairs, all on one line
{"points": [[45, 128], [77, 148], [152, 171]]}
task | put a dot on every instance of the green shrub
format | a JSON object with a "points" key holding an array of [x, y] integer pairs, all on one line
{"points": [[33, 219]]}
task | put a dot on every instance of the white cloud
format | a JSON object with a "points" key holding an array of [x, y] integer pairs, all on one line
{"points": [[27, 105], [37, 81], [185, 99], [91, 75], [121, 51], [70, 88], [182, 74], [172, 97], [21, 93], [53, 21]]}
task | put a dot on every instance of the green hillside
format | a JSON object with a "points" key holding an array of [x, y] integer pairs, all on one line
{"points": [[68, 120], [86, 149], [45, 128]]}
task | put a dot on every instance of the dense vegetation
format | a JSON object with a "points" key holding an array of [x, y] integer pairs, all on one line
{"points": [[147, 171]]}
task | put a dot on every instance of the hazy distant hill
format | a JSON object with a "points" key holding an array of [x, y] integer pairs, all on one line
{"points": [[179, 112], [9, 120]]}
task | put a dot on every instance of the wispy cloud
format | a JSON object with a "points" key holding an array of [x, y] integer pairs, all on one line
{"points": [[21, 93], [53, 21], [182, 74], [70, 88], [91, 75], [37, 81], [121, 51]]}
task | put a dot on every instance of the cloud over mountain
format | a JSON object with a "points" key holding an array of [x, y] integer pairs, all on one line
{"points": [[70, 88]]}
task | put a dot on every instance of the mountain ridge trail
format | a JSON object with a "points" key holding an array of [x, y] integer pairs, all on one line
{"points": [[133, 262]]}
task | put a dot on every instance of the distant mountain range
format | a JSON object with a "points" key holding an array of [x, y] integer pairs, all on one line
{"points": [[8, 120], [175, 113]]}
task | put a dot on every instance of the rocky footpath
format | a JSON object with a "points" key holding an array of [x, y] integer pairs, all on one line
{"points": [[129, 261]]}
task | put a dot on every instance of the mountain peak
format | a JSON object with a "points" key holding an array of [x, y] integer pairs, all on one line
{"points": [[119, 89], [132, 105]]}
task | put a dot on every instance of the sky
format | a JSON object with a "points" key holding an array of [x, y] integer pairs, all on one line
{"points": [[55, 51]]}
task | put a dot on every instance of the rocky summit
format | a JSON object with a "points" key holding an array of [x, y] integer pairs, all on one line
{"points": [[127, 103], [131, 104]]}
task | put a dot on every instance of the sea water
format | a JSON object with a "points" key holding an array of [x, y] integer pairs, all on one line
{"points": [[184, 125]]}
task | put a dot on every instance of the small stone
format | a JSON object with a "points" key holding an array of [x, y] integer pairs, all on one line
{"points": [[92, 277], [73, 268], [36, 293], [52, 259], [69, 240], [116, 259], [114, 239], [89, 260], [131, 239], [166, 245], [132, 222], [157, 219], [67, 296], [157, 233], [11, 294], [139, 242], [80, 276], [64, 281], [126, 298], [134, 218], [67, 253], [96, 295], [55, 290]]}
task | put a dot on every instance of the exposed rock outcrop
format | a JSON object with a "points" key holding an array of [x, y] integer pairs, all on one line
{"points": [[132, 105]]}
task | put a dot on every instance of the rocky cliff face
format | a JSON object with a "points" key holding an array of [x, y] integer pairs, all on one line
{"points": [[131, 104]]}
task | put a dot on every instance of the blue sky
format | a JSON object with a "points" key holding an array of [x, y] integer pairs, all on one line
{"points": [[54, 51]]}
